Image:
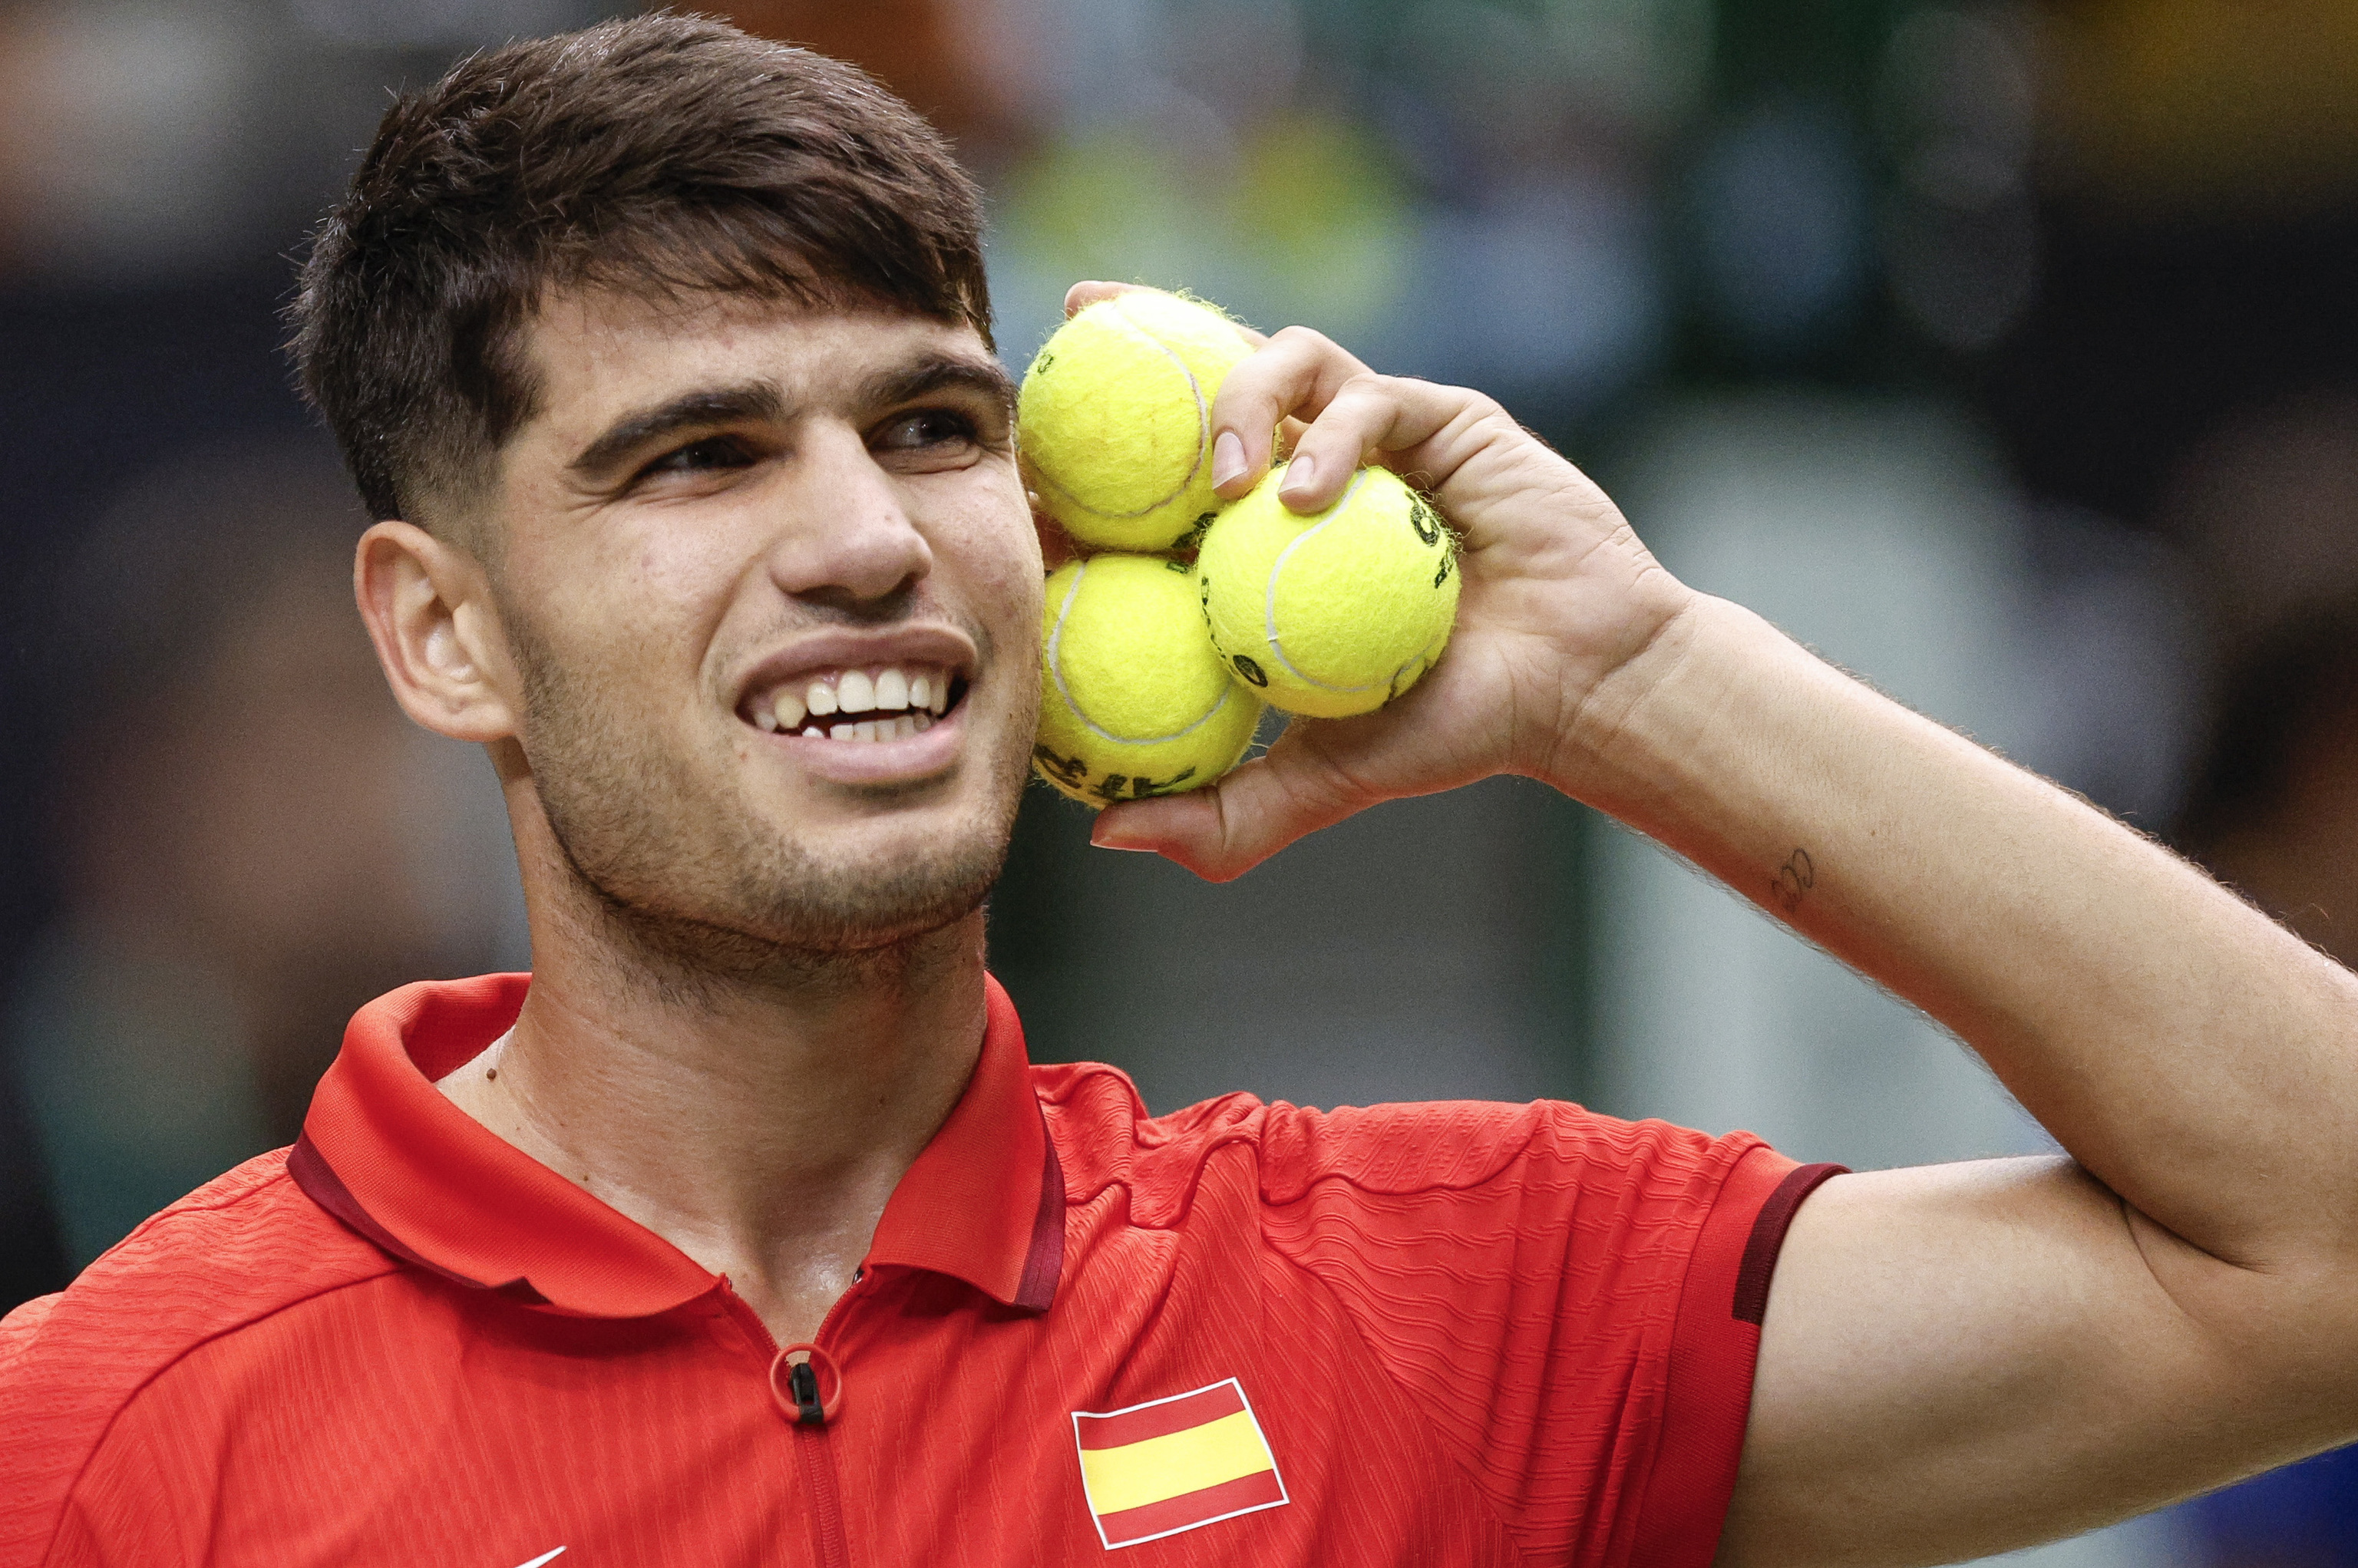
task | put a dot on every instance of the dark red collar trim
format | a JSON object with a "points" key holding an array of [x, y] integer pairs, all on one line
{"points": [[1043, 1264], [322, 1186]]}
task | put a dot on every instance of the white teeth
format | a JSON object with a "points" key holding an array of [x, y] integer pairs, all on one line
{"points": [[898, 728], [915, 698]]}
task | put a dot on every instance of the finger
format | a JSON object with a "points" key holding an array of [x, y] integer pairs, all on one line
{"points": [[1223, 831], [1091, 291], [1298, 372], [1367, 415]]}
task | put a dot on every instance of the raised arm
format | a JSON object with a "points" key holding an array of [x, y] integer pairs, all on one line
{"points": [[1960, 1359]]}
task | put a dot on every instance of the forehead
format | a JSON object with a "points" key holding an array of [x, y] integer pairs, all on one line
{"points": [[592, 354]]}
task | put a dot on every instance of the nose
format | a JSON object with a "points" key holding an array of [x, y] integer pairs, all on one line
{"points": [[849, 539]]}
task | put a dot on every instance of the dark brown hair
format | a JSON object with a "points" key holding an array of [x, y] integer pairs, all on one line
{"points": [[658, 156]]}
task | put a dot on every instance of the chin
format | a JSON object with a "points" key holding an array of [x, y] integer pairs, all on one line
{"points": [[868, 901], [730, 889]]}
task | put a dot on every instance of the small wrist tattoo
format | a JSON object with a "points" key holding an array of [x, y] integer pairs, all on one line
{"points": [[1793, 881]]}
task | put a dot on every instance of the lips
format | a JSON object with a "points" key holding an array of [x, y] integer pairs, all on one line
{"points": [[865, 706]]}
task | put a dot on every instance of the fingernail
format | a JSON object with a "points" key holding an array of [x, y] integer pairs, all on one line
{"points": [[1133, 849], [1298, 476], [1228, 459]]}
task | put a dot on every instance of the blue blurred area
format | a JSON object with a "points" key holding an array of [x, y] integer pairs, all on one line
{"points": [[2303, 1516], [2005, 352]]}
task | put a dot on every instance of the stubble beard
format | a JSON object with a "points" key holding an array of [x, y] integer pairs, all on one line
{"points": [[687, 875]]}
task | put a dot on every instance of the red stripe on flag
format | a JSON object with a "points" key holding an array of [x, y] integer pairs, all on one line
{"points": [[1192, 1508], [1159, 1420]]}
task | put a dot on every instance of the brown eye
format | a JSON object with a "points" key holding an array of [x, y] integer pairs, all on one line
{"points": [[715, 452], [932, 428]]}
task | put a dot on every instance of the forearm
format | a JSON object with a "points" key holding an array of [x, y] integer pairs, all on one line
{"points": [[2191, 1054]]}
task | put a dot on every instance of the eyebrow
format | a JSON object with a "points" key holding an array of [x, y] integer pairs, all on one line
{"points": [[933, 373], [689, 410]]}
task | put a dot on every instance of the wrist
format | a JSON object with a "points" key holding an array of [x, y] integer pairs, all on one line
{"points": [[1644, 730]]}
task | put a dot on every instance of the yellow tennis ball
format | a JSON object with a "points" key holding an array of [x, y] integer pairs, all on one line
{"points": [[1116, 419], [1134, 701], [1337, 612]]}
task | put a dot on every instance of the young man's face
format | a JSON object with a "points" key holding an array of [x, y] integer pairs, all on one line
{"points": [[773, 589]]}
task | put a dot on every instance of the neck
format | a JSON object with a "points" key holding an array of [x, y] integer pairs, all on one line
{"points": [[757, 1117]]}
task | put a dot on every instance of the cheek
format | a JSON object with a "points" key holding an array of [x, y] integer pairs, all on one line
{"points": [[1005, 589], [1017, 577], [630, 616], [1006, 562]]}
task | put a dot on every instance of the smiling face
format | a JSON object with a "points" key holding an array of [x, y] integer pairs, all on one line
{"points": [[770, 589]]}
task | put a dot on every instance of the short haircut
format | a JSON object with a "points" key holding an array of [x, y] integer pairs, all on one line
{"points": [[658, 156]]}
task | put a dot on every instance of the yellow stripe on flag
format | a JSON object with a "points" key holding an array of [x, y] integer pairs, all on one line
{"points": [[1138, 1474]]}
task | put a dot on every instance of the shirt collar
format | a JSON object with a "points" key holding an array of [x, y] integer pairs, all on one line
{"points": [[384, 1151]]}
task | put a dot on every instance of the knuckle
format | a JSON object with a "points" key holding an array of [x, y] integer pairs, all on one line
{"points": [[1256, 376], [1491, 414]]}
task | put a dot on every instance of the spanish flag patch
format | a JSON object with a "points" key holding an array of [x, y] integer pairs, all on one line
{"points": [[1174, 1464]]}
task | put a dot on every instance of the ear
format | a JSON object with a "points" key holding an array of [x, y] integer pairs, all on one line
{"points": [[429, 610]]}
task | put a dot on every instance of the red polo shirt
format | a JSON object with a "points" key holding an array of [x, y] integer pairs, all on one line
{"points": [[1245, 1333]]}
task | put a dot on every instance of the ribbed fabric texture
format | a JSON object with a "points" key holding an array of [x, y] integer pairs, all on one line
{"points": [[1455, 1323]]}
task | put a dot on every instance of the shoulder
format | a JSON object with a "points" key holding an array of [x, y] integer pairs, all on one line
{"points": [[232, 1254], [1543, 1149]]}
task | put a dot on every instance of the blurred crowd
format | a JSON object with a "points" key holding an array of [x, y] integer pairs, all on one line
{"points": [[2007, 352]]}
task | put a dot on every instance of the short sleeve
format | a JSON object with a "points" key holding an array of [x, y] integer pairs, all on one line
{"points": [[1571, 1301]]}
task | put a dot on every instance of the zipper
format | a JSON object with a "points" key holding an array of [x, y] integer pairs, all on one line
{"points": [[802, 1387], [826, 1489], [801, 1397]]}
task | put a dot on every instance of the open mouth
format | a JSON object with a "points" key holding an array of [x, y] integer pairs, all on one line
{"points": [[886, 702]]}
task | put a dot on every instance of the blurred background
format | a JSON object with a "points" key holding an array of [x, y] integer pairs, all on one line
{"points": [[2007, 354]]}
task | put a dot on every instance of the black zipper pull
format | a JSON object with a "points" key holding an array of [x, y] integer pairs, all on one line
{"points": [[802, 1383]]}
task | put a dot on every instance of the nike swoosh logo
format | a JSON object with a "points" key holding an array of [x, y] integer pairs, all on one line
{"points": [[544, 1557]]}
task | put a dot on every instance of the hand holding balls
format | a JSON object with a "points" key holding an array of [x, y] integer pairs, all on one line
{"points": [[1153, 671]]}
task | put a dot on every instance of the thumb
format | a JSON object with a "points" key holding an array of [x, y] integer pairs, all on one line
{"points": [[1223, 830]]}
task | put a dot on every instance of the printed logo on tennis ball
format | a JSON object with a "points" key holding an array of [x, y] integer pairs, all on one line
{"points": [[1133, 701], [1116, 419], [1337, 612]]}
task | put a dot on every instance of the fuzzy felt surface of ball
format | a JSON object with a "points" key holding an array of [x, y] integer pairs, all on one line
{"points": [[1133, 701], [1336, 612], [1115, 419]]}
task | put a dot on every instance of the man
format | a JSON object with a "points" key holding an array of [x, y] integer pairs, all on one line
{"points": [[746, 1235]]}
